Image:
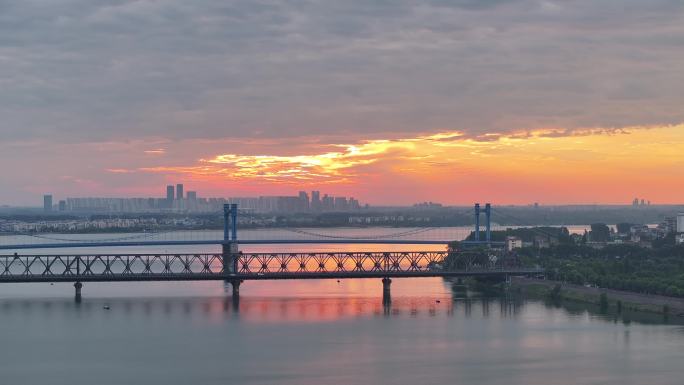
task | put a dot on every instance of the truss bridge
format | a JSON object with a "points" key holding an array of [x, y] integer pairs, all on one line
{"points": [[238, 267]]}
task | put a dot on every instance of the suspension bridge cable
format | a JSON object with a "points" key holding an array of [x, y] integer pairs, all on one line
{"points": [[383, 236], [139, 236]]}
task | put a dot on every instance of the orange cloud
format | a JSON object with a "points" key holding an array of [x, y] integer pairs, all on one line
{"points": [[611, 160], [156, 151], [119, 170], [336, 166]]}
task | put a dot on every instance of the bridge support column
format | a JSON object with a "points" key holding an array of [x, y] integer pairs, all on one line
{"points": [[78, 286], [229, 254], [386, 293], [235, 283]]}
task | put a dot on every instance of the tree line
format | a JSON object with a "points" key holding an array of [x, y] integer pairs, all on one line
{"points": [[623, 267]]}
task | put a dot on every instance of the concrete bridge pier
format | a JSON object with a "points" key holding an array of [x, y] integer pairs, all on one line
{"points": [[230, 253], [78, 286], [386, 293], [235, 283], [387, 309], [235, 302]]}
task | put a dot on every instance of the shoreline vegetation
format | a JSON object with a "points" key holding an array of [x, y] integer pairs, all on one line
{"points": [[609, 260], [607, 299]]}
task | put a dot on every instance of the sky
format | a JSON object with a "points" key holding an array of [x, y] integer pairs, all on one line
{"points": [[393, 102]]}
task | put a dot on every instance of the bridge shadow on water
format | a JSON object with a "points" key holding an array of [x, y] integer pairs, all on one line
{"points": [[320, 301], [309, 310], [265, 309]]}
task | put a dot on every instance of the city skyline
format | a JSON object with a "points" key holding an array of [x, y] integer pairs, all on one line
{"points": [[175, 200], [394, 103], [549, 167]]}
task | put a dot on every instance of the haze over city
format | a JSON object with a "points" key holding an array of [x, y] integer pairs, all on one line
{"points": [[391, 102]]}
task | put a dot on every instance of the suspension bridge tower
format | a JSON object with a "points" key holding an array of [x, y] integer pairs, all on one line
{"points": [[488, 223], [230, 250]]}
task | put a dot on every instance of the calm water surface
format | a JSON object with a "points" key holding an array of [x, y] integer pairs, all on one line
{"points": [[320, 332]]}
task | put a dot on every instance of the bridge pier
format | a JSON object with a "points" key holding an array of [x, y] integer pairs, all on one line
{"points": [[386, 294], [78, 286], [235, 283], [230, 253]]}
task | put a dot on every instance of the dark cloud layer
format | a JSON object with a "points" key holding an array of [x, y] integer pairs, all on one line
{"points": [[77, 70]]}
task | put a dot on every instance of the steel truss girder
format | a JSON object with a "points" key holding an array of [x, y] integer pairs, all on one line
{"points": [[259, 265]]}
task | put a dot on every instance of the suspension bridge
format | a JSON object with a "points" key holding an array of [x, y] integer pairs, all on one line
{"points": [[265, 236], [234, 266]]}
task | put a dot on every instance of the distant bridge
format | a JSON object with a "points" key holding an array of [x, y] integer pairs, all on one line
{"points": [[241, 242], [416, 236]]}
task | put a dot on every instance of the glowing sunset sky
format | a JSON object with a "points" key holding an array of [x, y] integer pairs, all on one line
{"points": [[509, 101]]}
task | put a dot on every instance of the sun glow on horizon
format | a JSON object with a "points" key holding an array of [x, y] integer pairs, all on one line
{"points": [[549, 162]]}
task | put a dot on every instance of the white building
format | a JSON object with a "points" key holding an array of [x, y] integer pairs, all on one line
{"points": [[680, 238], [513, 243], [680, 223]]}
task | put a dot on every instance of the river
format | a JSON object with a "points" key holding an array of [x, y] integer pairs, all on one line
{"points": [[320, 332]]}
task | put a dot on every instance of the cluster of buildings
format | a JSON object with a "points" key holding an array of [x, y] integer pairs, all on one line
{"points": [[15, 226], [428, 205], [177, 200], [640, 202], [642, 235], [540, 242], [386, 219], [670, 226]]}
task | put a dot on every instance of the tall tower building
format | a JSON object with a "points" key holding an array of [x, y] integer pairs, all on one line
{"points": [[315, 200], [179, 191], [303, 201], [47, 202], [169, 196]]}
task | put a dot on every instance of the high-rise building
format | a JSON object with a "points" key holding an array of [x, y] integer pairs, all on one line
{"points": [[303, 201], [62, 205], [315, 200], [680, 223], [169, 196], [669, 225], [192, 195], [47, 202], [327, 203], [341, 203], [179, 191]]}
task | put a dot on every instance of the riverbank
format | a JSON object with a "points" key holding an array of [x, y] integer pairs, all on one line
{"points": [[614, 299]]}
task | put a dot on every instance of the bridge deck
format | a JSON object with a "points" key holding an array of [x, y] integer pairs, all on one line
{"points": [[264, 276], [250, 266]]}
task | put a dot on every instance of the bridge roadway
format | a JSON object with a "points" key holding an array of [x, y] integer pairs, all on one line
{"points": [[238, 267]]}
